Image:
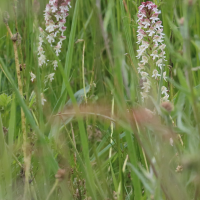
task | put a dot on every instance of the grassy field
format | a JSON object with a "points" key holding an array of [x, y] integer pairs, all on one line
{"points": [[87, 134]]}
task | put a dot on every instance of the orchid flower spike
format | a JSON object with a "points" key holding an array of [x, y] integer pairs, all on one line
{"points": [[151, 47]]}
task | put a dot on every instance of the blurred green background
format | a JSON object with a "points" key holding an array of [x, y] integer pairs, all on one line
{"points": [[126, 156]]}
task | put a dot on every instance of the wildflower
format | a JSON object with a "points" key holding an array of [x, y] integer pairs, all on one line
{"points": [[141, 67], [146, 86], [165, 98], [144, 60], [163, 90], [155, 73], [150, 31], [154, 54], [151, 48], [55, 64], [57, 48], [33, 76], [55, 15], [50, 38], [40, 41], [40, 51], [42, 60], [159, 63], [43, 100], [50, 26], [144, 75], [164, 76], [51, 77]]}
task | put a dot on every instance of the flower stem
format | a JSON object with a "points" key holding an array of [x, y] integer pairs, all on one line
{"points": [[14, 38]]}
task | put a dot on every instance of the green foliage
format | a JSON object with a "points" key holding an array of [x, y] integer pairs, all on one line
{"points": [[94, 139]]}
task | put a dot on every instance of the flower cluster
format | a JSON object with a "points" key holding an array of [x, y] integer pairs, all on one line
{"points": [[55, 15], [41, 56], [151, 48]]}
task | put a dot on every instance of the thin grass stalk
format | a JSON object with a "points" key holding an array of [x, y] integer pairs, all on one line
{"points": [[125, 19], [187, 56], [83, 70], [14, 38], [112, 128], [52, 189], [74, 141], [145, 159], [133, 160], [68, 60], [104, 34]]}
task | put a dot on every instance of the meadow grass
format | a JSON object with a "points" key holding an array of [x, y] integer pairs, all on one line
{"points": [[94, 138]]}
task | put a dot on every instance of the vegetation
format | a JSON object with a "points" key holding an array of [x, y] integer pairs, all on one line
{"points": [[87, 133]]}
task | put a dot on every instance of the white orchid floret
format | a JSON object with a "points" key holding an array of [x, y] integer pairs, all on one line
{"points": [[61, 23], [40, 41], [61, 38], [33, 76], [157, 38], [48, 8], [62, 29], [51, 2], [159, 63], [140, 68], [40, 50], [162, 47], [146, 23], [165, 98], [139, 38], [146, 86], [160, 32], [144, 60], [155, 73], [162, 53], [141, 32], [50, 26], [47, 16], [43, 100], [141, 25], [141, 7], [151, 31], [55, 64], [57, 48], [58, 16], [50, 77], [154, 17], [141, 15], [42, 60], [154, 54], [144, 75], [164, 76], [158, 25], [50, 38], [141, 50], [54, 7], [164, 90], [145, 44]]}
